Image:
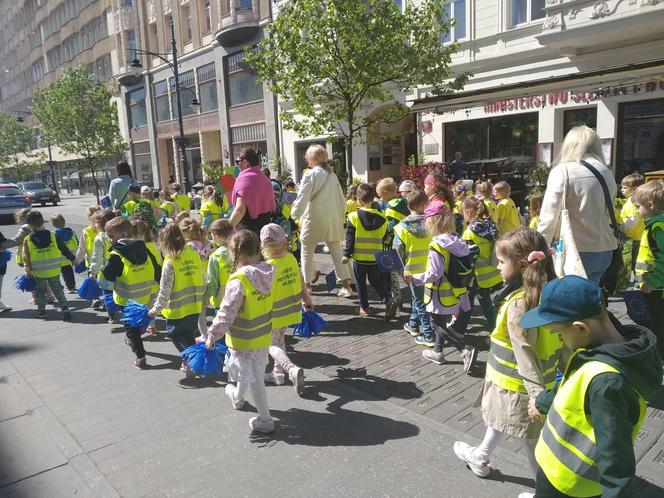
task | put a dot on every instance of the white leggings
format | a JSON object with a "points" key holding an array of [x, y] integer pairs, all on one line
{"points": [[308, 251], [492, 439], [258, 393], [2, 305]]}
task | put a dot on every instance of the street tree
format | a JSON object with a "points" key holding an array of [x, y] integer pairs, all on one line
{"points": [[77, 114], [332, 62], [18, 160]]}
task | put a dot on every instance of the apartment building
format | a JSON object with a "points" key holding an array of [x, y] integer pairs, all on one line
{"points": [[539, 68], [38, 39], [210, 38]]}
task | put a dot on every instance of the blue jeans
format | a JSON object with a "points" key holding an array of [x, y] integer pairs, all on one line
{"points": [[419, 316], [595, 264]]}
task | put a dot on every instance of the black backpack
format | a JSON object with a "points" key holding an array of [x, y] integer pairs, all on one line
{"points": [[460, 271]]}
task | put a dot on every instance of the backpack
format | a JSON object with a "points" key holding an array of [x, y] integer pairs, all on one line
{"points": [[460, 271], [144, 212]]}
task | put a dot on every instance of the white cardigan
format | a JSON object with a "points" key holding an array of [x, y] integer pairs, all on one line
{"points": [[585, 202], [321, 220]]}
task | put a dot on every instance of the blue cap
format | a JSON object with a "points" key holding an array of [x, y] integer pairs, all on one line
{"points": [[565, 299]]}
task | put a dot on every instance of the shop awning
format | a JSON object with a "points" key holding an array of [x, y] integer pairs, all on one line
{"points": [[602, 80]]}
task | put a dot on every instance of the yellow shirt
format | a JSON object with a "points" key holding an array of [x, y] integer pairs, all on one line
{"points": [[351, 206], [507, 216], [534, 221], [633, 225], [491, 207]]}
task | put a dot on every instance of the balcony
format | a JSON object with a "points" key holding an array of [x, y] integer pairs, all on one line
{"points": [[239, 21], [576, 27]]}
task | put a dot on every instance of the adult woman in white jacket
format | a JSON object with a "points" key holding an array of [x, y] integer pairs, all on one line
{"points": [[589, 217], [320, 208]]}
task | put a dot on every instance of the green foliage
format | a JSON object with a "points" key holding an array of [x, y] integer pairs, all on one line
{"points": [[537, 177], [335, 61], [17, 160], [77, 114], [213, 170]]}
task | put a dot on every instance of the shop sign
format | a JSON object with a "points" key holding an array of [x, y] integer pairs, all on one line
{"points": [[426, 126], [536, 102]]}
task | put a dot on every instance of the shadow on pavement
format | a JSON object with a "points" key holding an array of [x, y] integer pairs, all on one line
{"points": [[646, 489], [315, 359], [498, 476], [10, 349], [173, 361]]}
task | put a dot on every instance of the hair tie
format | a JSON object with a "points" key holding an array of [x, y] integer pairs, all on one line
{"points": [[536, 256]]}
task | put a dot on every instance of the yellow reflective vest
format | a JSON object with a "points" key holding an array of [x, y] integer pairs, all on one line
{"points": [[286, 292], [224, 271], [416, 250], [442, 290], [182, 201], [72, 245], [566, 449], [486, 274], [252, 328], [90, 234], [502, 368], [633, 224], [188, 285], [45, 262], [168, 207], [211, 211], [367, 242], [645, 260], [156, 253], [136, 282]]}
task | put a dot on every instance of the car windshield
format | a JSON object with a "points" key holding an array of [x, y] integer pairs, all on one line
{"points": [[4, 191], [34, 186]]}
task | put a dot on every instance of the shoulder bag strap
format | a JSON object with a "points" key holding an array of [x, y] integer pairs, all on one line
{"points": [[315, 194], [123, 197], [607, 197]]}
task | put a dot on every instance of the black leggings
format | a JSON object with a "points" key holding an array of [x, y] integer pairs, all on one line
{"points": [[443, 333]]}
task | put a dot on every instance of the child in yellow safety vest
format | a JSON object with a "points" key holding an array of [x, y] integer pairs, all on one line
{"points": [[484, 191], [101, 250], [594, 414], [411, 241], [631, 220], [522, 362], [141, 231], [135, 275], [213, 207], [289, 295], [245, 319], [42, 257], [534, 207], [366, 232], [87, 238], [219, 266], [506, 215], [182, 201], [68, 237], [23, 232], [168, 208], [444, 295], [181, 289], [482, 233]]}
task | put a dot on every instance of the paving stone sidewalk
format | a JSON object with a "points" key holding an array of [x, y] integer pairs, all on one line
{"points": [[380, 358]]}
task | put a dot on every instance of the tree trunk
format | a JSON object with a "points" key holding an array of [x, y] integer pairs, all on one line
{"points": [[94, 180], [349, 160]]}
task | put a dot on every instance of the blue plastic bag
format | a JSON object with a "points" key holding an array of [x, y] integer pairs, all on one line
{"points": [[89, 289], [5, 257], [204, 362], [24, 283], [110, 304], [312, 324], [136, 315], [81, 268]]}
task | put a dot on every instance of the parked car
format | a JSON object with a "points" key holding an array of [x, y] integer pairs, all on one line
{"points": [[12, 199], [40, 193]]}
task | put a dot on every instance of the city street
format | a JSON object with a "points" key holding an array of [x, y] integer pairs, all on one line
{"points": [[77, 419]]}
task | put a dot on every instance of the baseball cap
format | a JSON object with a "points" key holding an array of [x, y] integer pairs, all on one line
{"points": [[407, 186], [145, 188], [435, 208], [273, 233], [563, 300]]}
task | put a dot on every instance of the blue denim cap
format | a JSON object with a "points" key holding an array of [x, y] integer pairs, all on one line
{"points": [[565, 299]]}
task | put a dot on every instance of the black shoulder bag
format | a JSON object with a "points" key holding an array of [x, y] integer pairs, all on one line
{"points": [[609, 280]]}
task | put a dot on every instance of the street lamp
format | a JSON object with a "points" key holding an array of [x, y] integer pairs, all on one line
{"points": [[50, 163], [181, 140]]}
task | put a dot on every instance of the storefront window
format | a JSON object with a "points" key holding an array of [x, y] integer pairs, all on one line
{"points": [[578, 117], [641, 136], [137, 112]]}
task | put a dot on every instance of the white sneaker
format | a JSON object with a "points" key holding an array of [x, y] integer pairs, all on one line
{"points": [[296, 376], [276, 379], [264, 426], [526, 494], [230, 392], [345, 292], [465, 453], [326, 249]]}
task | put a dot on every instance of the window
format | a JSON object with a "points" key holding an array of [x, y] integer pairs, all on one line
{"points": [[207, 87], [577, 117], [162, 109], [244, 4], [398, 4], [455, 10], [142, 161], [138, 115], [243, 83], [187, 94], [525, 11], [208, 17], [640, 136], [186, 16], [131, 42]]}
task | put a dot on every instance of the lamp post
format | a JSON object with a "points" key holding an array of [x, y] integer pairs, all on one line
{"points": [[181, 140], [50, 163]]}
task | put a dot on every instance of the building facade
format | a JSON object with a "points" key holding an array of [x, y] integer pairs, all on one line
{"points": [[539, 68], [210, 38]]}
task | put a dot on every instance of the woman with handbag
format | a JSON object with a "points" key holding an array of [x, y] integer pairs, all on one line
{"points": [[578, 207], [320, 209], [119, 188]]}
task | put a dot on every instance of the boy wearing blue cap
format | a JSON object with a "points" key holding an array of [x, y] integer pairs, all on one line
{"points": [[595, 412]]}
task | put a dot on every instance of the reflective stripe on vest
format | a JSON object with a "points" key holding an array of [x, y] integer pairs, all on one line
{"points": [[394, 214], [136, 282], [416, 250], [566, 450], [502, 368], [252, 328], [645, 260], [186, 297], [486, 275], [443, 290], [90, 234], [45, 262], [72, 245], [286, 292], [367, 242]]}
